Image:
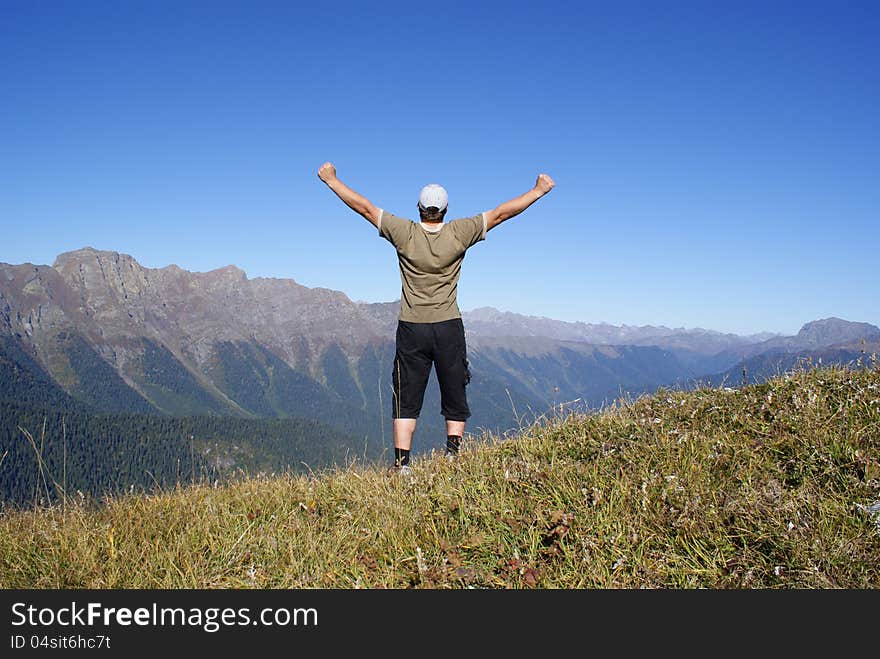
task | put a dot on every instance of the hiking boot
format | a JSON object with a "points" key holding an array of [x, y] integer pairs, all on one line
{"points": [[397, 470]]}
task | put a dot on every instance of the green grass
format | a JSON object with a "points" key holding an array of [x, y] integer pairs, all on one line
{"points": [[763, 487]]}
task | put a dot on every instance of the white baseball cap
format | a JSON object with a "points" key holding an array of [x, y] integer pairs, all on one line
{"points": [[433, 195]]}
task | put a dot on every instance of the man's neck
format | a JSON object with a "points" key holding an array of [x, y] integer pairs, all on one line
{"points": [[433, 227]]}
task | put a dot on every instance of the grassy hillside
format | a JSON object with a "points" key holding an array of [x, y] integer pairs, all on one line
{"points": [[771, 486]]}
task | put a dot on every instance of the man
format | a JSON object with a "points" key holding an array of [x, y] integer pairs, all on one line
{"points": [[429, 329]]}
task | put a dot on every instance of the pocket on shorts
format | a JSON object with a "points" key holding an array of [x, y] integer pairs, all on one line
{"points": [[467, 371]]}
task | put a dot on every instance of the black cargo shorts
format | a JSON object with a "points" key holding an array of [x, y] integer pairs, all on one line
{"points": [[419, 345]]}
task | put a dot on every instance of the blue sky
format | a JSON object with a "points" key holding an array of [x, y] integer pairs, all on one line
{"points": [[716, 163]]}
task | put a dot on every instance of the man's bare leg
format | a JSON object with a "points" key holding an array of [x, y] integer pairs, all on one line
{"points": [[455, 427], [403, 433]]}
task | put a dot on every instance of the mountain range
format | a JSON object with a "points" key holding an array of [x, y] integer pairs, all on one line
{"points": [[110, 336]]}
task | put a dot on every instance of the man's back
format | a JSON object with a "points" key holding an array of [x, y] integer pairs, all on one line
{"points": [[430, 263]]}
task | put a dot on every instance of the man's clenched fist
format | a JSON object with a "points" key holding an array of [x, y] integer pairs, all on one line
{"points": [[544, 184], [327, 172]]}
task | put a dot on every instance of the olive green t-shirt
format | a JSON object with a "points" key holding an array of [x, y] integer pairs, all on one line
{"points": [[430, 263]]}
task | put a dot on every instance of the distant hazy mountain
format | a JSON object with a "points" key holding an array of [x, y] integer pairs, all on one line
{"points": [[564, 372], [488, 321], [813, 336], [774, 362]]}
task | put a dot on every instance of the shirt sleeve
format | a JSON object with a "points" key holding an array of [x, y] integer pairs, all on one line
{"points": [[394, 229], [470, 230]]}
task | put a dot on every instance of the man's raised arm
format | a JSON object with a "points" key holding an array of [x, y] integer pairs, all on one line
{"points": [[517, 205], [358, 203]]}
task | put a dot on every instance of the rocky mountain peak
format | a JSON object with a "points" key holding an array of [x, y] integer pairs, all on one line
{"points": [[88, 255], [828, 331], [228, 272]]}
